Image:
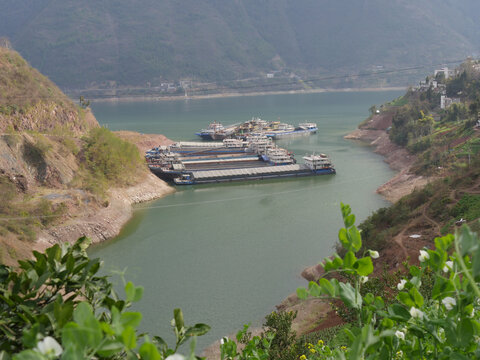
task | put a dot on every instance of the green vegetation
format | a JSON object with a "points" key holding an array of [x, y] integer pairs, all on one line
{"points": [[437, 321], [58, 307], [109, 161], [442, 139], [207, 40]]}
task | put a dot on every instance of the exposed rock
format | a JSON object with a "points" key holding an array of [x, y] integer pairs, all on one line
{"points": [[101, 223], [313, 273]]}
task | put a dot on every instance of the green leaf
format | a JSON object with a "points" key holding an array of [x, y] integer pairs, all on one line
{"points": [[138, 293], [148, 351], [197, 330], [349, 296], [444, 243], [63, 313], [302, 293], [349, 220], [414, 270], [75, 336], [369, 298], [314, 289], [356, 238], [337, 261], [399, 313], [132, 319], [110, 348], [465, 333], [346, 210], [129, 292], [342, 237], [417, 297], [327, 287], [379, 303], [83, 313], [129, 338], [468, 241], [28, 355], [72, 352], [85, 331], [162, 344], [441, 287], [364, 266], [406, 299], [349, 260]]}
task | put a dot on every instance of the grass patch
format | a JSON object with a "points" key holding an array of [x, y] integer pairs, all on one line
{"points": [[468, 207]]}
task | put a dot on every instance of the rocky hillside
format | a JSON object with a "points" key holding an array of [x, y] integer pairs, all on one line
{"points": [[111, 43], [58, 166], [436, 151]]}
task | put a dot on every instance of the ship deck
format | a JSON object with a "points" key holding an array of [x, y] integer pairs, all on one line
{"points": [[211, 166], [248, 172]]}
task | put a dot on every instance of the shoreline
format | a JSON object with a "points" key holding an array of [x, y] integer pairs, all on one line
{"points": [[374, 133], [101, 224], [104, 223], [316, 314], [237, 94]]}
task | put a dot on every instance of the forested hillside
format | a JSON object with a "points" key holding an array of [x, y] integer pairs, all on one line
{"points": [[113, 43]]}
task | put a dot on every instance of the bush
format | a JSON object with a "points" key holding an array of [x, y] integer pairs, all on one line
{"points": [[58, 305], [468, 207], [110, 160], [435, 314]]}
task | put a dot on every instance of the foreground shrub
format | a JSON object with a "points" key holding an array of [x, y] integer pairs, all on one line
{"points": [[57, 306], [441, 325]]}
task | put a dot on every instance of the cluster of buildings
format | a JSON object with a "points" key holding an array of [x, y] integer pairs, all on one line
{"points": [[438, 87]]}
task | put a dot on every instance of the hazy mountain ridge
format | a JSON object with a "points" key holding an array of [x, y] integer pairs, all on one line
{"points": [[88, 43]]}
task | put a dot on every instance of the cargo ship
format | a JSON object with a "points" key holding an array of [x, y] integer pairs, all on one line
{"points": [[257, 158], [272, 129], [285, 130], [314, 165]]}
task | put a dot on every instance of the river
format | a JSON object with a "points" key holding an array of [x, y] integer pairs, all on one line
{"points": [[226, 254]]}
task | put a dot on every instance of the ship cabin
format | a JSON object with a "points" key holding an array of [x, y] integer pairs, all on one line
{"points": [[285, 127], [279, 156], [259, 143], [316, 162], [233, 143], [307, 126]]}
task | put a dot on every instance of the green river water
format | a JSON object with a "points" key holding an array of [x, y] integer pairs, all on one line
{"points": [[226, 254]]}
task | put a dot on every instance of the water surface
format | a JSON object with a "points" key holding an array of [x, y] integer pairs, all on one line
{"points": [[226, 254]]}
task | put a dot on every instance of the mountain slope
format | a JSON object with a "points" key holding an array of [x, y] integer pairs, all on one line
{"points": [[120, 42], [57, 166]]}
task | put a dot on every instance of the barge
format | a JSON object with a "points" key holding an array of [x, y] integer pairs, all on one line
{"points": [[314, 165], [255, 158]]}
